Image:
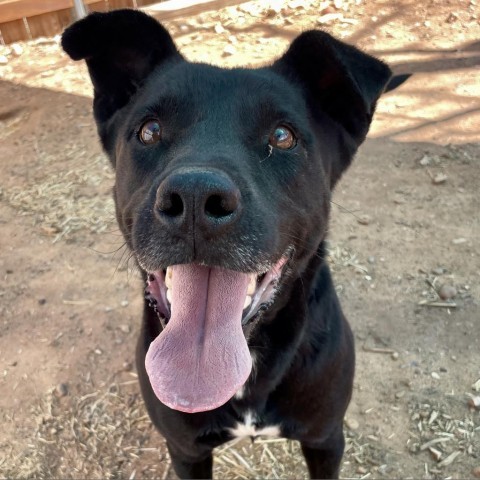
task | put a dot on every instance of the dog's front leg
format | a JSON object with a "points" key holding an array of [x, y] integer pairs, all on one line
{"points": [[323, 459], [187, 468]]}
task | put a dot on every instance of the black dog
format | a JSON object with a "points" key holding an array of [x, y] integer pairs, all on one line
{"points": [[223, 187]]}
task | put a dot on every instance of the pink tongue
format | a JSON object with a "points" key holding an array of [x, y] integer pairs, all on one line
{"points": [[201, 358]]}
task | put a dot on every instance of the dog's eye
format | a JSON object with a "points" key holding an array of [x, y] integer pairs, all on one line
{"points": [[282, 137], [150, 132]]}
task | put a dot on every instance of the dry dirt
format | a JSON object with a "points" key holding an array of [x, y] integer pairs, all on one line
{"points": [[405, 223]]}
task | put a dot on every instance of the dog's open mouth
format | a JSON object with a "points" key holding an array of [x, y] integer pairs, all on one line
{"points": [[201, 358]]}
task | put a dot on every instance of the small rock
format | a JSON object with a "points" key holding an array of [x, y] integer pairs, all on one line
{"points": [[476, 472], [3, 60], [17, 49], [362, 470], [438, 271], [439, 178], [435, 375], [125, 328], [371, 259], [453, 17], [42, 301], [364, 219], [232, 39], [474, 402], [443, 370], [127, 366], [124, 303], [98, 351], [61, 390], [425, 161], [352, 424], [459, 241], [184, 28], [229, 50], [395, 356], [14, 363], [219, 29], [446, 292], [400, 394]]}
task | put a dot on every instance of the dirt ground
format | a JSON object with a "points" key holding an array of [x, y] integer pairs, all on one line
{"points": [[404, 248]]}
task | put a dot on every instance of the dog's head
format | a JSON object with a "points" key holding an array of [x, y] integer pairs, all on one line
{"points": [[223, 181]]}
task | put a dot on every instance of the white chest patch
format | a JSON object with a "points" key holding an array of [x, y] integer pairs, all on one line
{"points": [[249, 429]]}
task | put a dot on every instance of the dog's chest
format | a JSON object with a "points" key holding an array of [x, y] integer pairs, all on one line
{"points": [[252, 426]]}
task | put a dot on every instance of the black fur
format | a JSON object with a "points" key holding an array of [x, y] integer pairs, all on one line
{"points": [[217, 122]]}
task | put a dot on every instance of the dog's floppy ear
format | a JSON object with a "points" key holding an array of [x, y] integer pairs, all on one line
{"points": [[340, 80], [121, 49]]}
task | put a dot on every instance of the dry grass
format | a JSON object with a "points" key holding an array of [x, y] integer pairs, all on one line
{"points": [[67, 201], [107, 434], [443, 433]]}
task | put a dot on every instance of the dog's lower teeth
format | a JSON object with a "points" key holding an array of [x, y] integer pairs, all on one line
{"points": [[248, 301], [168, 277], [169, 295], [252, 286]]}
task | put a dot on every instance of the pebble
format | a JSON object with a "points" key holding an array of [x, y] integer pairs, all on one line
{"points": [[425, 160], [459, 241], [98, 351], [371, 259], [61, 390], [395, 355], [229, 50], [438, 271], [400, 394], [364, 219], [439, 178], [3, 60], [476, 472], [435, 375], [124, 303], [125, 328], [42, 301], [17, 50], [352, 424], [447, 292]]}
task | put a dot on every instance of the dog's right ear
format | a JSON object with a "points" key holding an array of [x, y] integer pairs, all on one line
{"points": [[121, 49]]}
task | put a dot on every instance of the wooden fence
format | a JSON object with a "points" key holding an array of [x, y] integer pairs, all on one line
{"points": [[26, 19]]}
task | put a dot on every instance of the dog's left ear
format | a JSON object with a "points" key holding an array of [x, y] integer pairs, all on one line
{"points": [[121, 49], [340, 80]]}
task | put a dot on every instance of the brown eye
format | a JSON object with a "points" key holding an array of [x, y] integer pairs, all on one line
{"points": [[150, 132], [282, 137]]}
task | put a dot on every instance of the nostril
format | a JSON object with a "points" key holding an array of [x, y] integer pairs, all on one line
{"points": [[172, 205], [218, 206]]}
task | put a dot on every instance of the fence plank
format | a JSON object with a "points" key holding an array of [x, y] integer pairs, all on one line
{"points": [[14, 31], [15, 9], [49, 24], [116, 4], [98, 6]]}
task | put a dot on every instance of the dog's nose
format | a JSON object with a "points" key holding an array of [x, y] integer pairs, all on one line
{"points": [[203, 199]]}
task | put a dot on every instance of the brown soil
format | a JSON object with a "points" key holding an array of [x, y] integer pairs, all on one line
{"points": [[405, 223]]}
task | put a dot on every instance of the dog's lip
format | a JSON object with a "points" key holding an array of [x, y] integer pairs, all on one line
{"points": [[267, 283]]}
